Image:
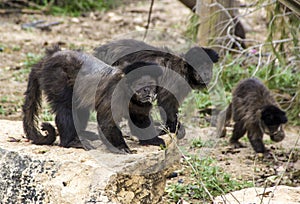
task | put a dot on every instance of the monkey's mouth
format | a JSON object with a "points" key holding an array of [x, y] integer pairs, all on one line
{"points": [[148, 99], [277, 135], [198, 82]]}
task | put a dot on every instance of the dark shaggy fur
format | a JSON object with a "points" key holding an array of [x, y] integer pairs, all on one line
{"points": [[74, 79], [194, 67], [254, 111]]}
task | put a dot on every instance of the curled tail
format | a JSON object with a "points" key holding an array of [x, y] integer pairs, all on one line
{"points": [[31, 108]]}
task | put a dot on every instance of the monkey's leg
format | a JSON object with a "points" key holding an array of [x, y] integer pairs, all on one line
{"points": [[138, 125], [170, 106], [255, 136], [65, 125], [81, 118], [83, 115], [238, 132], [112, 136]]}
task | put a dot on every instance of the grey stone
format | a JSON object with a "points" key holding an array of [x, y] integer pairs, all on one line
{"points": [[52, 174], [271, 195]]}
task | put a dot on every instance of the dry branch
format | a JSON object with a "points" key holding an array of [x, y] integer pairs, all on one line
{"points": [[24, 11], [294, 5]]}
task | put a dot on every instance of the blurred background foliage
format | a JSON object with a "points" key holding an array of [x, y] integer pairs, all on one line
{"points": [[62, 7], [275, 59]]}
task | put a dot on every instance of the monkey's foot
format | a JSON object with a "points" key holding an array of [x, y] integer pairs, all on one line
{"points": [[181, 132], [267, 154], [76, 144], [125, 150], [237, 144], [156, 141], [221, 133]]}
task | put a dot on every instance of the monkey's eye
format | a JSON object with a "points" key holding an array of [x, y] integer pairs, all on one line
{"points": [[145, 81], [273, 129]]}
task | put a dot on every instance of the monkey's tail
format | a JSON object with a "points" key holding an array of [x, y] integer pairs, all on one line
{"points": [[222, 121], [30, 113]]}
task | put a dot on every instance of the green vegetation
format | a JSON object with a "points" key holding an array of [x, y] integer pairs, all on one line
{"points": [[193, 26], [198, 143], [4, 99], [62, 7], [21, 74], [275, 62], [2, 110], [31, 59], [74, 8], [47, 114], [9, 106], [205, 176]]}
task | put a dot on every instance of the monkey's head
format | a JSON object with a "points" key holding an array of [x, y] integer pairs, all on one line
{"points": [[199, 64], [142, 79], [273, 118]]}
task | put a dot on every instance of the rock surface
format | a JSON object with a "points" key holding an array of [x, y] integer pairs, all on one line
{"points": [[51, 174], [271, 195]]}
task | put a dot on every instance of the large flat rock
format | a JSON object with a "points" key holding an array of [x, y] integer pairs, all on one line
{"points": [[52, 174], [271, 195]]}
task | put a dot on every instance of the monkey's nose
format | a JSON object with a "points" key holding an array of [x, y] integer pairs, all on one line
{"points": [[206, 76]]}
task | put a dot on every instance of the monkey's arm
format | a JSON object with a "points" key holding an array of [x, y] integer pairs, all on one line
{"points": [[170, 105], [238, 131], [255, 136], [141, 125], [111, 135]]}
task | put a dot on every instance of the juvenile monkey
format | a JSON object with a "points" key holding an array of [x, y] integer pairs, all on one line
{"points": [[255, 112]]}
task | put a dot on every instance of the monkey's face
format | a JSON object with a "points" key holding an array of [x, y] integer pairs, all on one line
{"points": [[200, 63], [145, 89], [273, 118], [276, 133], [200, 79]]}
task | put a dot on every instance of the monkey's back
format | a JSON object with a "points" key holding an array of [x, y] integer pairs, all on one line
{"points": [[249, 96], [120, 53], [63, 72], [124, 50]]}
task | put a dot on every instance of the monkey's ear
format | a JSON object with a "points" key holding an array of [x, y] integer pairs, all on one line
{"points": [[196, 51], [283, 119], [51, 50], [214, 56]]}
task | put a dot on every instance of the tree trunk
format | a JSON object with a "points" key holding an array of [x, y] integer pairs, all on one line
{"points": [[217, 22]]}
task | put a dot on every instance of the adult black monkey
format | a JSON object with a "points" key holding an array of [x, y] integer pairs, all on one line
{"points": [[73, 79], [254, 111], [195, 67]]}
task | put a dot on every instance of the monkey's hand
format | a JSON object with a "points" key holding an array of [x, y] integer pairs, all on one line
{"points": [[237, 144], [124, 150], [156, 141]]}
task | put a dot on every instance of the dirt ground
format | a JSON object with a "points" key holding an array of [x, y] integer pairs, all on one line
{"points": [[170, 17]]}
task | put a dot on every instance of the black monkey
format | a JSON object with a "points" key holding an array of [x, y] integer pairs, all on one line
{"points": [[254, 111], [74, 83], [195, 67]]}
